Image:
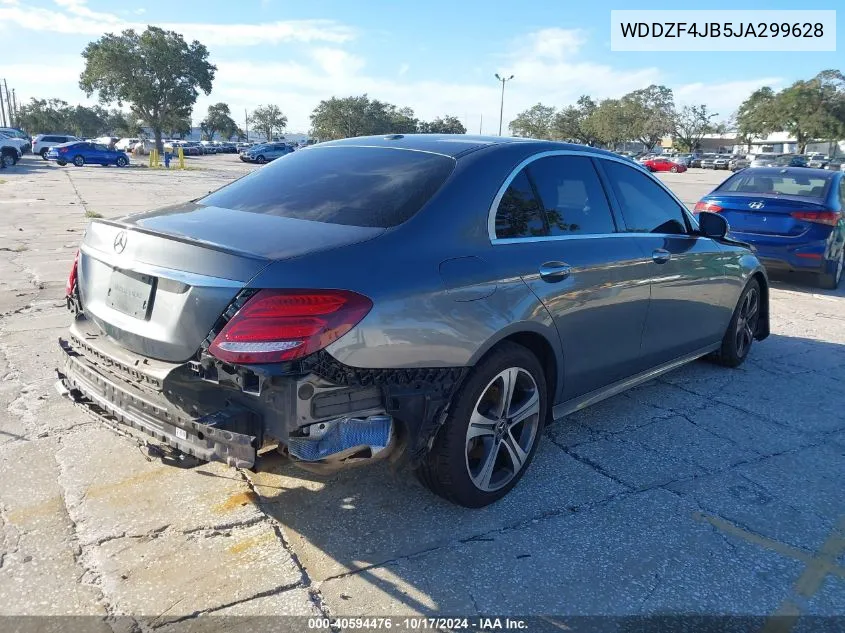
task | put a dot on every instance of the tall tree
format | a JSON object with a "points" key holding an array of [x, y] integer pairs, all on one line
{"points": [[44, 116], [650, 113], [156, 72], [442, 125], [691, 124], [535, 122], [219, 119], [345, 117], [758, 115], [123, 124], [268, 120], [814, 109], [570, 123], [609, 123]]}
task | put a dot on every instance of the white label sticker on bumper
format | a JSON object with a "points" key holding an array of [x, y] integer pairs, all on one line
{"points": [[182, 434]]}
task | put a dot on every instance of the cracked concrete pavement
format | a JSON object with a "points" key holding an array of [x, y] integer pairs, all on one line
{"points": [[706, 491]]}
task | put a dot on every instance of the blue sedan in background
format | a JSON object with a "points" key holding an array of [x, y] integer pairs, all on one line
{"points": [[793, 216], [87, 153]]}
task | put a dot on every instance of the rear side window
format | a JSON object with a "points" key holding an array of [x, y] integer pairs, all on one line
{"points": [[646, 207], [357, 186], [519, 213], [572, 196]]}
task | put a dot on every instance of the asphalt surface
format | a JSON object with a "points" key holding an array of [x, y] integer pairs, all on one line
{"points": [[707, 491]]}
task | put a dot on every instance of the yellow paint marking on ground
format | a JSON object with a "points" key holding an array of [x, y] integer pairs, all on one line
{"points": [[102, 490], [818, 566], [236, 501], [251, 542]]}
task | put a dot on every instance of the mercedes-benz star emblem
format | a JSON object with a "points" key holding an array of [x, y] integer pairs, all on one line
{"points": [[120, 242], [756, 205]]}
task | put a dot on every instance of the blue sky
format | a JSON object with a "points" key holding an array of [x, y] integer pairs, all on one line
{"points": [[437, 57]]}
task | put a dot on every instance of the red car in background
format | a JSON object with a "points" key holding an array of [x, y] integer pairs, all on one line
{"points": [[664, 164]]}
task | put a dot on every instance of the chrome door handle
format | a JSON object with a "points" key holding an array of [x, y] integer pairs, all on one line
{"points": [[661, 256], [555, 271]]}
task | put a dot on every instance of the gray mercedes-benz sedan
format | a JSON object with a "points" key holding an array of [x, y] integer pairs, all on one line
{"points": [[429, 296]]}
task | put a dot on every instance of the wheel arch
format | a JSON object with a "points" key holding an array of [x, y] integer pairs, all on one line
{"points": [[763, 327], [541, 342]]}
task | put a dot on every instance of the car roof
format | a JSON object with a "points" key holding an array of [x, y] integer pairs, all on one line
{"points": [[456, 145]]}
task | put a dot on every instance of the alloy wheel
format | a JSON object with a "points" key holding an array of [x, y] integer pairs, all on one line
{"points": [[502, 429], [746, 323]]}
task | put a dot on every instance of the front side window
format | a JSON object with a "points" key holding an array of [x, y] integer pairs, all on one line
{"points": [[519, 213], [572, 196], [645, 205]]}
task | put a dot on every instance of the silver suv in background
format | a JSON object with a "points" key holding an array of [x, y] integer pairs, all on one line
{"points": [[265, 153], [43, 142]]}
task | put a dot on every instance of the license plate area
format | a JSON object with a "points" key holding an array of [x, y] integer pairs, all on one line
{"points": [[131, 293]]}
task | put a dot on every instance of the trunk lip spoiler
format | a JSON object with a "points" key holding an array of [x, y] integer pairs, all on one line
{"points": [[134, 265], [184, 239]]}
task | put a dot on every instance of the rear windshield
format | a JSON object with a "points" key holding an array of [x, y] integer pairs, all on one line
{"points": [[783, 184], [357, 186]]}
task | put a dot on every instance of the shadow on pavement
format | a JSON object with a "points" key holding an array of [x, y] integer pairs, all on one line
{"points": [[605, 519]]}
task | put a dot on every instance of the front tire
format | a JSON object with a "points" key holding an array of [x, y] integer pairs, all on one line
{"points": [[674, 170], [7, 160], [44, 153], [121, 161], [260, 160], [739, 337], [78, 161], [492, 430]]}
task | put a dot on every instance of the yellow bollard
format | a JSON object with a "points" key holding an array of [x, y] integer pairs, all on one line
{"points": [[152, 156], [181, 153]]}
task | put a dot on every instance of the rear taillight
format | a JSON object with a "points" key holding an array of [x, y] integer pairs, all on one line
{"points": [[706, 206], [831, 218], [63, 150], [280, 325], [71, 279]]}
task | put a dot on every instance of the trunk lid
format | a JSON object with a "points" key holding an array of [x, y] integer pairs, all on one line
{"points": [[766, 214], [157, 282]]}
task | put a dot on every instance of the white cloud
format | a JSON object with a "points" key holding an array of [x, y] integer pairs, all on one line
{"points": [[548, 65], [74, 17], [722, 98]]}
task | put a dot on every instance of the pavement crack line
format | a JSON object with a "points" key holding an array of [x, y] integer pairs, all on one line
{"points": [[588, 462], [76, 191], [313, 591]]}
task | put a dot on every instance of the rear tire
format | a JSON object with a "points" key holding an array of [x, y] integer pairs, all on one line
{"points": [[260, 160], [830, 281], [476, 464], [61, 163], [738, 339], [7, 160]]}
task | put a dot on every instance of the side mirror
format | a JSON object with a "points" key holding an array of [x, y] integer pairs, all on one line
{"points": [[712, 225]]}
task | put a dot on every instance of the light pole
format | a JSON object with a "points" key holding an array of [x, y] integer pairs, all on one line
{"points": [[502, 104]]}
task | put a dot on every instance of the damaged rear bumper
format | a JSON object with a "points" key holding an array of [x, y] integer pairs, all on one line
{"points": [[211, 437], [325, 414]]}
